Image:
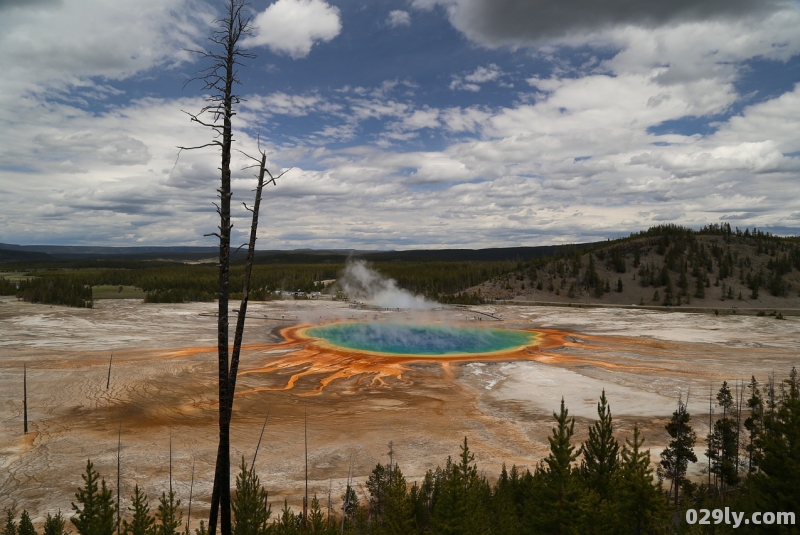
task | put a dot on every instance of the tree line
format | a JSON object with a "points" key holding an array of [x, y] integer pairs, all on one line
{"points": [[177, 283], [717, 262], [601, 486], [688, 268], [56, 291]]}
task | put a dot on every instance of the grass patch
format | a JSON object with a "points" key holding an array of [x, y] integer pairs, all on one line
{"points": [[13, 276], [108, 291]]}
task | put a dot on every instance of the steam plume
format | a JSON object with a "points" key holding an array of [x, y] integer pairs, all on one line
{"points": [[365, 284]]}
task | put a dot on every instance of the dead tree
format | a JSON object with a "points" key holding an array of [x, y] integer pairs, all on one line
{"points": [[25, 397], [219, 78], [305, 442], [119, 461], [191, 489], [253, 464], [108, 379]]}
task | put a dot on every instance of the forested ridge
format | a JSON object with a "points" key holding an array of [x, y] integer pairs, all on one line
{"points": [[179, 282], [603, 486], [678, 265]]}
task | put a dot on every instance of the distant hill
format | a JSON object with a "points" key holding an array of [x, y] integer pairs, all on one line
{"points": [[83, 251], [17, 255], [44, 253], [715, 267], [462, 255]]}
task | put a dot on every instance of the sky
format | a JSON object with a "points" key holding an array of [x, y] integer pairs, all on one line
{"points": [[405, 124]]}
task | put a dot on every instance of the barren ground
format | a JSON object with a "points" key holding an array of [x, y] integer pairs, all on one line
{"points": [[163, 382]]}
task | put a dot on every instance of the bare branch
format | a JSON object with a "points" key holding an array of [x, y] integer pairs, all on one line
{"points": [[258, 160], [272, 179], [212, 144]]}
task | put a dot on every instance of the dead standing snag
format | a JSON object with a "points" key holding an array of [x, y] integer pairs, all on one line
{"points": [[219, 79]]}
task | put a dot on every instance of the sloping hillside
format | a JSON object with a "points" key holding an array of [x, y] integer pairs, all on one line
{"points": [[717, 267]]}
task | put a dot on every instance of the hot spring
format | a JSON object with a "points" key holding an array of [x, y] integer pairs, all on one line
{"points": [[418, 339]]}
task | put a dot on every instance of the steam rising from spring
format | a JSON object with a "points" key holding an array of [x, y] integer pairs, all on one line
{"points": [[365, 284]]}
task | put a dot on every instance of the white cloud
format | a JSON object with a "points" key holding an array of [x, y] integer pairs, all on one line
{"points": [[776, 119], [457, 84], [469, 82], [398, 17], [426, 118], [281, 103], [704, 50], [115, 149], [574, 159], [757, 158], [55, 46], [484, 74], [464, 120], [293, 26], [532, 22]]}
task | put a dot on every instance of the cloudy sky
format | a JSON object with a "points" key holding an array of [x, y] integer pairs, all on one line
{"points": [[408, 123]]}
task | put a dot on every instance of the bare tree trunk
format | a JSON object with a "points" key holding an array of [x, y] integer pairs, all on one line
{"points": [[216, 495], [220, 77], [108, 379], [25, 398], [223, 461], [305, 442], [191, 489], [170, 462], [739, 426], [119, 461], [710, 430], [253, 465], [248, 270]]}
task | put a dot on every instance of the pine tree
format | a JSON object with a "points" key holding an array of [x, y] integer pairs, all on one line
{"points": [[668, 288], [141, 523], [754, 424], [552, 509], [461, 498], [11, 526], [377, 485], [422, 498], [250, 510], [683, 281], [287, 524], [722, 449], [25, 525], [504, 510], [168, 517], [679, 452], [98, 515], [450, 507], [700, 288], [54, 525], [776, 484], [600, 452], [316, 520], [640, 503], [398, 513], [349, 502], [476, 493]]}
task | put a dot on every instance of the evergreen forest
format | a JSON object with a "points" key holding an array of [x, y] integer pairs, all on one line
{"points": [[603, 486], [678, 264]]}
